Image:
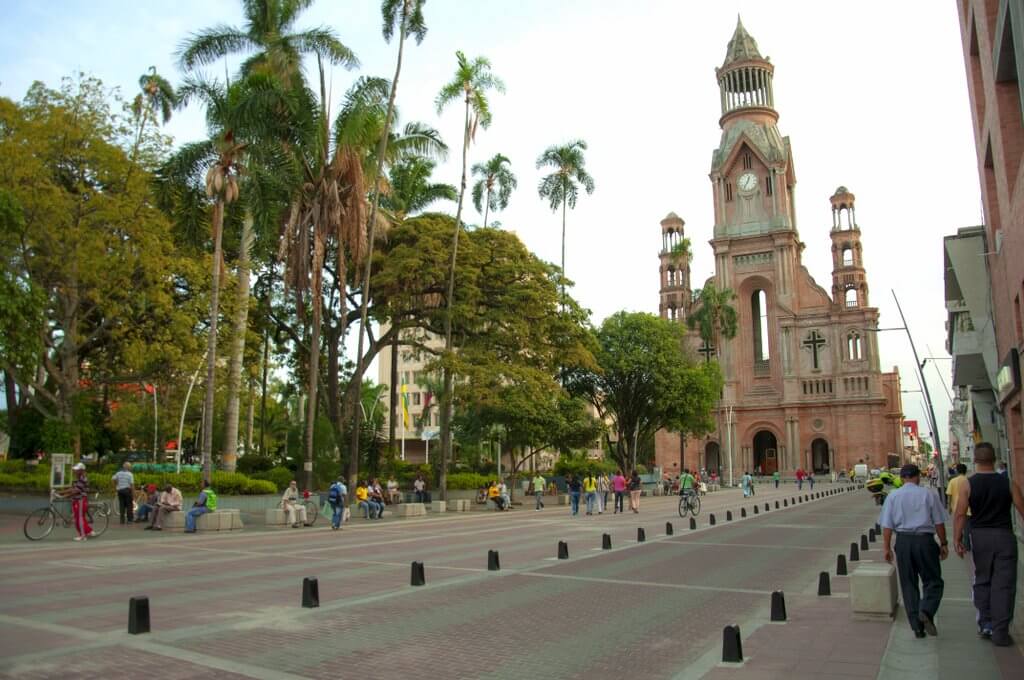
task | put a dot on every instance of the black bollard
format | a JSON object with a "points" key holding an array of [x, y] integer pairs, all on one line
{"points": [[419, 577], [854, 553], [693, 524], [310, 592], [756, 510], [668, 529], [606, 541], [563, 550], [824, 586], [732, 647], [728, 515], [878, 529], [138, 615], [785, 503], [778, 606], [841, 565], [493, 561], [641, 536], [743, 512], [776, 505], [871, 535], [863, 542], [799, 499], [711, 519], [766, 506]]}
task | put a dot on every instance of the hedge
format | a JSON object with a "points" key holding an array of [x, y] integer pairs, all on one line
{"points": [[227, 483], [467, 480]]}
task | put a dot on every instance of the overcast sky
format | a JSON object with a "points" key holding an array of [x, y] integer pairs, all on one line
{"points": [[873, 95]]}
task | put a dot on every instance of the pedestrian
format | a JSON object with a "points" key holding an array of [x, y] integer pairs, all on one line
{"points": [[916, 516], [775, 478], [206, 502], [124, 483], [147, 504], [988, 495], [337, 495], [295, 511], [810, 478], [170, 501], [953, 487], [590, 490], [747, 482], [538, 491], [78, 492], [603, 485], [419, 488], [619, 487], [635, 487], [575, 488], [800, 479]]}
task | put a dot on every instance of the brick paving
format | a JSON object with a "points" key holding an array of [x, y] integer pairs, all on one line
{"points": [[230, 603]]}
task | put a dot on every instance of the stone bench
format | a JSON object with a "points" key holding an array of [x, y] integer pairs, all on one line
{"points": [[438, 506], [873, 590], [409, 510], [277, 517], [460, 505], [227, 519]]}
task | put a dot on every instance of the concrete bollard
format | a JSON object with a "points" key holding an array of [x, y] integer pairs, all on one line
{"points": [[693, 524], [563, 550], [778, 606], [606, 541], [841, 565], [871, 535], [785, 503], [493, 561], [878, 529], [824, 585], [743, 512], [668, 529], [641, 536], [711, 519], [728, 515], [310, 592], [732, 646], [419, 576], [138, 615], [863, 542], [854, 553]]}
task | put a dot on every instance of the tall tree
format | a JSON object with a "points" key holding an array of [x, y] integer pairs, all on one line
{"points": [[471, 83], [269, 33], [494, 186], [562, 186], [154, 103], [408, 15]]}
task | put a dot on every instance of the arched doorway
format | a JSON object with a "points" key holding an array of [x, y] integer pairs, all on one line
{"points": [[820, 462], [713, 458], [766, 460]]}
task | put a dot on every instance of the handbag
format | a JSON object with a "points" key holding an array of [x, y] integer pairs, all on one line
{"points": [[347, 515]]}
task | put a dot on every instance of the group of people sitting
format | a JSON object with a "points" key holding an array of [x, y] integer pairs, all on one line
{"points": [[158, 505], [497, 493]]}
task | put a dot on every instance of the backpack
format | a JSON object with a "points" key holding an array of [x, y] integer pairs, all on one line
{"points": [[334, 494]]}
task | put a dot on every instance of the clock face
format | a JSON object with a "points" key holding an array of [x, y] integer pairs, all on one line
{"points": [[747, 182]]}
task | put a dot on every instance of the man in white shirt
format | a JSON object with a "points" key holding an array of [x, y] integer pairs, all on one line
{"points": [[290, 504], [392, 487], [170, 501], [124, 483]]}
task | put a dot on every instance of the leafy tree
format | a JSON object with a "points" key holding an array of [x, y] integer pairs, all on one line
{"points": [[562, 186], [269, 33], [494, 186], [471, 83], [647, 382]]}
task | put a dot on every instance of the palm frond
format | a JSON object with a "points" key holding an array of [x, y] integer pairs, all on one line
{"points": [[211, 44], [324, 42]]}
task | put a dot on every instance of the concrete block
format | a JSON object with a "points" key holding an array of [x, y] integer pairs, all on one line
{"points": [[276, 517], [209, 521], [236, 520], [409, 510], [563, 499], [460, 505], [873, 590], [438, 506], [174, 520]]}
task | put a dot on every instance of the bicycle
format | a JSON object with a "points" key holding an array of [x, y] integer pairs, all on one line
{"points": [[689, 502], [312, 511], [39, 523]]}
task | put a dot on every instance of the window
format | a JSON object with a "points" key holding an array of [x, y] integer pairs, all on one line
{"points": [[847, 256], [851, 297], [759, 318], [1008, 97], [747, 161], [854, 349], [415, 398], [728, 191], [768, 188], [1017, 320]]}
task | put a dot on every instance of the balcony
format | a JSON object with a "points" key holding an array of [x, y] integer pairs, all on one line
{"points": [[762, 368]]}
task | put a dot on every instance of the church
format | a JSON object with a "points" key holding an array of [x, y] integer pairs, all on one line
{"points": [[803, 386]]}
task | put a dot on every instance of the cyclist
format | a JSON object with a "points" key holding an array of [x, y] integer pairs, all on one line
{"points": [[687, 484]]}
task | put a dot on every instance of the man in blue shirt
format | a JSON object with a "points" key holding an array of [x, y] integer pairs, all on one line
{"points": [[916, 516], [337, 497]]}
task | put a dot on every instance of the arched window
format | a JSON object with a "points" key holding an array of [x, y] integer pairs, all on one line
{"points": [[854, 349], [847, 256], [851, 297], [759, 319]]}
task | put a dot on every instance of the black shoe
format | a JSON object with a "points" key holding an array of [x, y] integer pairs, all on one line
{"points": [[1002, 639], [919, 634], [147, 528], [927, 623], [984, 633]]}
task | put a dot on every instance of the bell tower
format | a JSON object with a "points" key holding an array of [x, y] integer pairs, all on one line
{"points": [[849, 280], [675, 270]]}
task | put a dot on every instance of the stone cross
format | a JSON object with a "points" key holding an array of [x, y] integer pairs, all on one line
{"points": [[708, 350], [814, 341]]}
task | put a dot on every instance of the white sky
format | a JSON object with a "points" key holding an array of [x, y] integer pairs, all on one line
{"points": [[873, 95]]}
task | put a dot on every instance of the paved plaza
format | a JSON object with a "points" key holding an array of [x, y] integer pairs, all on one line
{"points": [[229, 605]]}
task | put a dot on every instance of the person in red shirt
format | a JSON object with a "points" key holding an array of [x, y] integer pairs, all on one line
{"points": [[78, 492], [800, 474]]}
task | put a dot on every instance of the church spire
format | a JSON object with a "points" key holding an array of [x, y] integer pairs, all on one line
{"points": [[742, 47], [745, 77]]}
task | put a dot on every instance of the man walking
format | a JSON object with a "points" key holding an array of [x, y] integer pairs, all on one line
{"points": [[916, 516], [590, 489], [988, 496], [124, 482], [775, 478], [337, 497], [538, 491]]}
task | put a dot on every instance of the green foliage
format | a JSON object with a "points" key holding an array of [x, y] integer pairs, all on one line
{"points": [[715, 317], [259, 487], [25, 480], [254, 463], [467, 480], [562, 186], [280, 476], [581, 466], [12, 466], [494, 186]]}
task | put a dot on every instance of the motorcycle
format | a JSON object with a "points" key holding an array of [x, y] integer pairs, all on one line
{"points": [[878, 486]]}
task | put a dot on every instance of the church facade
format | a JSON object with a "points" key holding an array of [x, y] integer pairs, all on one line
{"points": [[803, 385]]}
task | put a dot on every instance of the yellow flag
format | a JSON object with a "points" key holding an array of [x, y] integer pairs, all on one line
{"points": [[405, 405]]}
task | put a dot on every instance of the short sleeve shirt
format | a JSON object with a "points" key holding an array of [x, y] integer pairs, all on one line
{"points": [[123, 479], [913, 509]]}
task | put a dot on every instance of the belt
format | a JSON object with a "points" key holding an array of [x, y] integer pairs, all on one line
{"points": [[915, 533]]}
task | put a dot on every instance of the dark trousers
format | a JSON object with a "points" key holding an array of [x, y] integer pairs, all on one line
{"points": [[124, 504], [917, 559], [618, 501], [995, 577]]}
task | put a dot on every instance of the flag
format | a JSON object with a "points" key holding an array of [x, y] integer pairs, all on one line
{"points": [[405, 405]]}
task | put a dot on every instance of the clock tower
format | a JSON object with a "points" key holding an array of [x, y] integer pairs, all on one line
{"points": [[802, 383]]}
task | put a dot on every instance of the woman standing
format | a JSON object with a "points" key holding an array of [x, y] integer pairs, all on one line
{"points": [[603, 485], [619, 487], [634, 491]]}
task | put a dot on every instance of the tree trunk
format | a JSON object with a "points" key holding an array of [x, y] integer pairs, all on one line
{"points": [[365, 303], [211, 341], [263, 392], [314, 375], [487, 206], [448, 402], [250, 417], [393, 397], [240, 324], [563, 254]]}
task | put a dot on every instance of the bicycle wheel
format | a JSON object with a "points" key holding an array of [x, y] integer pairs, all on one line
{"points": [[682, 506], [98, 520], [695, 505], [312, 512], [39, 524]]}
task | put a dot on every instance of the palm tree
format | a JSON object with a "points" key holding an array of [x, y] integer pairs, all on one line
{"points": [[495, 185], [471, 83], [561, 187], [410, 189], [155, 101], [268, 32], [408, 14]]}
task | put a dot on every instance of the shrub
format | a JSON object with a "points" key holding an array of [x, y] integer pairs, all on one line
{"points": [[581, 466], [467, 480], [229, 483], [280, 476], [259, 487], [253, 463], [12, 466]]}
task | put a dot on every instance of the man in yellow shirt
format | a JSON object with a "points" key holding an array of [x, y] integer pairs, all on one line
{"points": [[368, 507], [494, 495], [590, 491], [953, 487]]}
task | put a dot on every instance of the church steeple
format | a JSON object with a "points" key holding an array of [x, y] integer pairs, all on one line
{"points": [[849, 280], [745, 78]]}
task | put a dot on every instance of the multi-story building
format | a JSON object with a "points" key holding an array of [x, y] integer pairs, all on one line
{"points": [[992, 39], [803, 384]]}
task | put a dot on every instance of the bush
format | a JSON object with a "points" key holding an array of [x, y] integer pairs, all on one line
{"points": [[581, 466], [253, 463], [229, 483], [260, 487], [280, 476], [467, 480], [24, 480], [12, 466]]}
